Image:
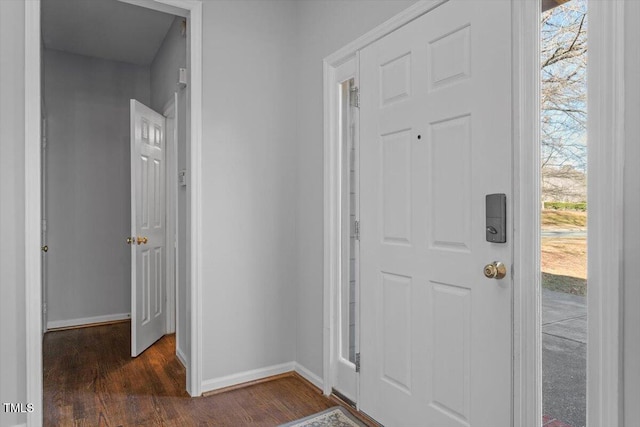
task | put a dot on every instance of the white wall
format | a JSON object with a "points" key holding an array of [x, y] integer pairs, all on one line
{"points": [[12, 278], [324, 26], [632, 219], [249, 172], [88, 185], [171, 56]]}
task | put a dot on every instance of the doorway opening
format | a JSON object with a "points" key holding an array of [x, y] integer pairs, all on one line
{"points": [[563, 150], [115, 53]]}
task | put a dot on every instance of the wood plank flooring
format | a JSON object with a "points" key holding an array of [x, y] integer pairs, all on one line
{"points": [[91, 380]]}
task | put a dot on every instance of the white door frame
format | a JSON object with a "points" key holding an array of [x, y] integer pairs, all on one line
{"points": [[606, 147], [33, 214], [606, 100], [348, 69], [170, 112], [191, 9]]}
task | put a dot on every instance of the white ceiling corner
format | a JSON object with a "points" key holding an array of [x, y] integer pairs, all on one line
{"points": [[107, 29]]}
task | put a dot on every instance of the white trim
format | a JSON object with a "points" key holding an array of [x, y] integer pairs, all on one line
{"points": [[165, 6], [85, 321], [343, 72], [309, 376], [246, 376], [331, 223], [170, 112], [527, 349], [606, 99], [20, 425], [33, 224], [43, 209], [194, 383], [180, 355]]}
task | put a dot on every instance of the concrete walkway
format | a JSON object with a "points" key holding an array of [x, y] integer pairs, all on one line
{"points": [[564, 233], [564, 357]]}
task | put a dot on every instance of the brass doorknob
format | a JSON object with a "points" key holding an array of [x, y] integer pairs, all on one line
{"points": [[495, 270], [142, 240], [45, 248], [129, 240]]}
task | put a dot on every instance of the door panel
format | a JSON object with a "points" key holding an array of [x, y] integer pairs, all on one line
{"points": [[396, 187], [435, 139], [147, 227]]}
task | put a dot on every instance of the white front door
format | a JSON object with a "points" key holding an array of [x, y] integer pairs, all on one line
{"points": [[435, 139], [147, 227]]}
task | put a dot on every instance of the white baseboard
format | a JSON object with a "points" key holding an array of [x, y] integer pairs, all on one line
{"points": [[19, 425], [309, 376], [54, 324], [243, 377], [181, 356]]}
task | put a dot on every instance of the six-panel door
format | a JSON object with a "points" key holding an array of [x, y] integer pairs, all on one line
{"points": [[435, 139], [147, 227]]}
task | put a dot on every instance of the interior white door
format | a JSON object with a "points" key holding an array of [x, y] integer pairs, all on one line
{"points": [[435, 139], [148, 257]]}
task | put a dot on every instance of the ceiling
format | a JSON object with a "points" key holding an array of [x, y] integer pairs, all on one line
{"points": [[107, 29]]}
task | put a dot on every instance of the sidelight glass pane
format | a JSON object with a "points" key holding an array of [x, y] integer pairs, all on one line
{"points": [[347, 295], [563, 150]]}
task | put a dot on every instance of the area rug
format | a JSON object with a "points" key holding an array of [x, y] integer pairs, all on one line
{"points": [[332, 417]]}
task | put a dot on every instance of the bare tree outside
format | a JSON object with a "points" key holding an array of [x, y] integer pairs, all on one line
{"points": [[564, 101], [563, 77]]}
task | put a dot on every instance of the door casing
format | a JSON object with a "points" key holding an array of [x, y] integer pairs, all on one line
{"points": [[192, 10], [344, 375], [606, 87], [170, 112]]}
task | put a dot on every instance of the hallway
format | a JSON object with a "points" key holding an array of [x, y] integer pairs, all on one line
{"points": [[90, 379]]}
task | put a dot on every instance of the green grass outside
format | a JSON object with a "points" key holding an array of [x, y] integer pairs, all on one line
{"points": [[563, 219], [564, 259], [566, 284]]}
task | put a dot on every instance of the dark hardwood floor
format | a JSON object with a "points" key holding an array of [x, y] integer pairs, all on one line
{"points": [[91, 380]]}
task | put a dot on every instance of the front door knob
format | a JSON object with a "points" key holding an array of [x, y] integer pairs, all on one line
{"points": [[495, 270], [142, 240]]}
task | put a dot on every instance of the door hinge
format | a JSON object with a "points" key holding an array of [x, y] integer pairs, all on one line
{"points": [[357, 362], [356, 229], [182, 77], [354, 96]]}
